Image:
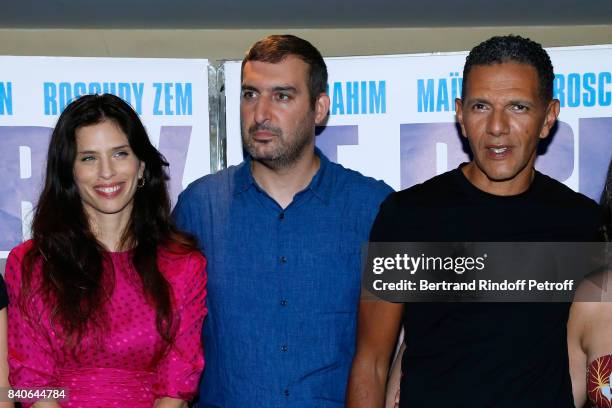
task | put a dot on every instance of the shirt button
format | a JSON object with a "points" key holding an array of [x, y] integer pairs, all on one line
{"points": [[286, 392], [283, 302], [284, 348], [283, 259], [281, 216]]}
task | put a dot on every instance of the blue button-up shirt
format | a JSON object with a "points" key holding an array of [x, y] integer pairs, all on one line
{"points": [[283, 284]]}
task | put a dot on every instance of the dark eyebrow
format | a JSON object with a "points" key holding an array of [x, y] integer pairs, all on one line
{"points": [[94, 152], [285, 89], [519, 102], [477, 100], [121, 147]]}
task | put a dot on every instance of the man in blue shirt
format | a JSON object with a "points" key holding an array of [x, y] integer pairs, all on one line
{"points": [[282, 233]]}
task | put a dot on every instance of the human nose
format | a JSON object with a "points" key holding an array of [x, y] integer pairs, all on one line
{"points": [[262, 110], [497, 123], [107, 168]]}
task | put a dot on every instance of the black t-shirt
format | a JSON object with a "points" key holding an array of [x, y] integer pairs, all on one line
{"points": [[486, 354]]}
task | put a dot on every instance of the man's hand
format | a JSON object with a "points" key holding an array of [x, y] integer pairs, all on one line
{"points": [[377, 332]]}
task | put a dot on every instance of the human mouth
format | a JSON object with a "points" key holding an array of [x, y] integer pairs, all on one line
{"points": [[264, 133], [109, 190], [498, 152]]}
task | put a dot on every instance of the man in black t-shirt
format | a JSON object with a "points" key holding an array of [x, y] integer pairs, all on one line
{"points": [[481, 354]]}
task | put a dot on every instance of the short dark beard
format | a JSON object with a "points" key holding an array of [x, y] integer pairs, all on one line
{"points": [[287, 154]]}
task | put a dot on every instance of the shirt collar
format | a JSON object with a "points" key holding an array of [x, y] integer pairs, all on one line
{"points": [[320, 185], [244, 177]]}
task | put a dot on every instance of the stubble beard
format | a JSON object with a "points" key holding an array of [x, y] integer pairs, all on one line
{"points": [[285, 152]]}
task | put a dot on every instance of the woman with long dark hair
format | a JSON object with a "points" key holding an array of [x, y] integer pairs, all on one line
{"points": [[107, 298]]}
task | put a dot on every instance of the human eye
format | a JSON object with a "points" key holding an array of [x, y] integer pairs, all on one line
{"points": [[283, 96], [121, 153], [479, 106], [519, 107], [248, 94], [87, 158]]}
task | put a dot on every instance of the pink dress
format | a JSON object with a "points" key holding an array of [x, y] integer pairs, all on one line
{"points": [[129, 366]]}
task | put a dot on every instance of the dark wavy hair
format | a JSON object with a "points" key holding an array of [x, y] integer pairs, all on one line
{"points": [[275, 48], [512, 48], [73, 283]]}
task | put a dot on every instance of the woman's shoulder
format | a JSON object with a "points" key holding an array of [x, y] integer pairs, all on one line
{"points": [[15, 259], [21, 250], [14, 268], [176, 261]]}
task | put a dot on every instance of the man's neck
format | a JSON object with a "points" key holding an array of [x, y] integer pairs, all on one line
{"points": [[284, 183], [517, 185]]}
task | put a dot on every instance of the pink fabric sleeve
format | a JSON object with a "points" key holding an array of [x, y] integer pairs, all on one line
{"points": [[30, 353], [178, 372]]}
